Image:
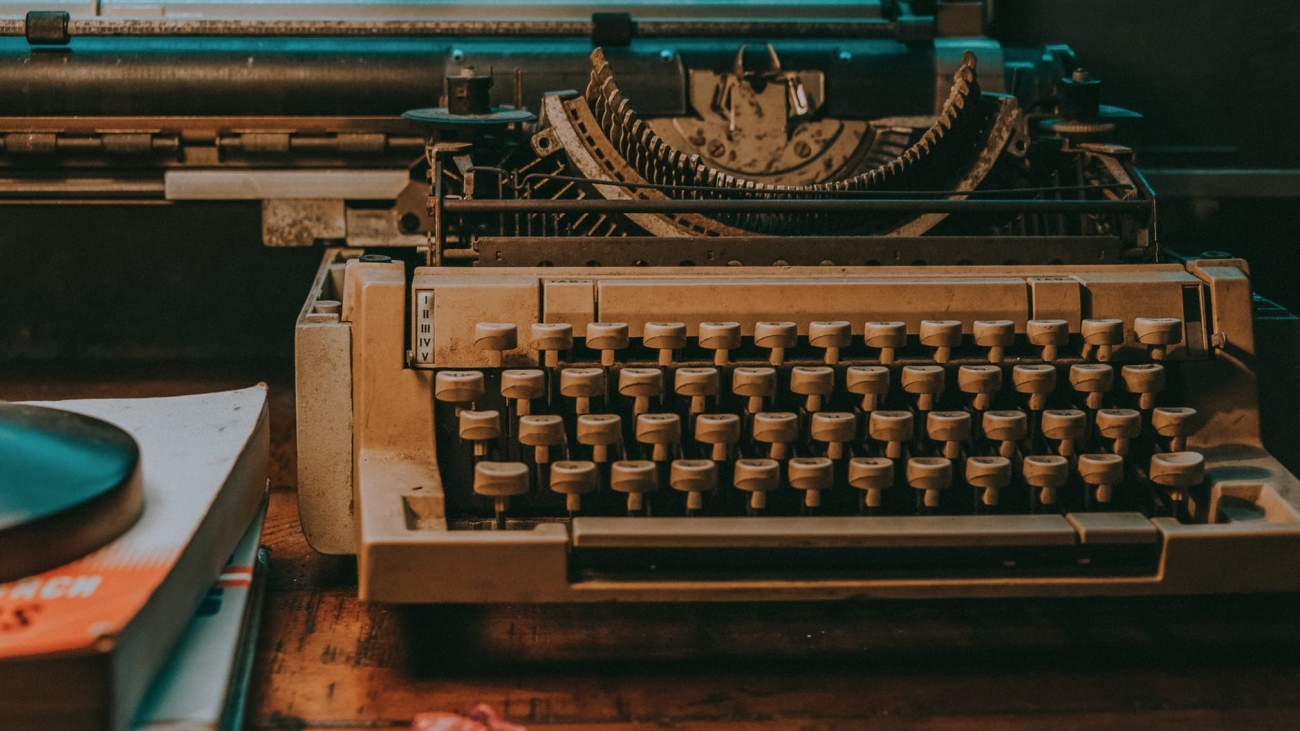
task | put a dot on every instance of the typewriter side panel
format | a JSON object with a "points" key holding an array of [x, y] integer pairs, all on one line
{"points": [[323, 388]]}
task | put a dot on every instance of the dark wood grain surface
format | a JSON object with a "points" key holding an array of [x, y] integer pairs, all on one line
{"points": [[328, 661]]}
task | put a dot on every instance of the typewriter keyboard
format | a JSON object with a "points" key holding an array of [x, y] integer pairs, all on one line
{"points": [[841, 420]]}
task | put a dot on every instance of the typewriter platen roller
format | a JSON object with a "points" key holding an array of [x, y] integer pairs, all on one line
{"points": [[695, 415]]}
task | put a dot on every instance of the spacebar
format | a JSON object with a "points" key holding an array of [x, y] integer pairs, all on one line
{"points": [[957, 531]]}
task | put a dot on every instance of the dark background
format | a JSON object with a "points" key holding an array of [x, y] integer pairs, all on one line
{"points": [[1217, 82]]}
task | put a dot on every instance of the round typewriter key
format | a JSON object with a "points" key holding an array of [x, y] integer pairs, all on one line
{"points": [[989, 475], [931, 476], [1007, 427], [698, 384], [871, 475], [1094, 379], [892, 427], [871, 382], [694, 477], [950, 427], [1100, 337], [834, 429], [522, 386], [1067, 426], [607, 337], [776, 337], [887, 336], [664, 337], [641, 384], [982, 381], [1036, 380], [776, 429], [718, 430], [1120, 425], [496, 337], [1177, 472], [1047, 473], [549, 339], [1103, 472], [573, 479], [924, 381], [942, 335], [458, 387], [662, 431], [501, 481], [480, 427], [832, 336], [757, 477], [635, 477], [541, 432], [69, 483], [1147, 380], [720, 337], [755, 384], [1050, 334], [814, 382], [1157, 333], [1176, 423], [996, 335], [811, 475], [582, 385], [600, 432]]}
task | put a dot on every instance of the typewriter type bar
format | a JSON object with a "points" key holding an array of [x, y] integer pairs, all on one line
{"points": [[554, 434]]}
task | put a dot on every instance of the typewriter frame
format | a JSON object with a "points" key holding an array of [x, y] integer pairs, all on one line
{"points": [[369, 481]]}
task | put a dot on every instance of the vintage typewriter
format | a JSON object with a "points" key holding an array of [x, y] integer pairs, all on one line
{"points": [[763, 344], [948, 362]]}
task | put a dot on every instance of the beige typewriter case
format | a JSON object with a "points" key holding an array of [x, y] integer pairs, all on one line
{"points": [[396, 376]]}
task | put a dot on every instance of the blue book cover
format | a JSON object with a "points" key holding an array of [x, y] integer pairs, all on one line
{"points": [[203, 685]]}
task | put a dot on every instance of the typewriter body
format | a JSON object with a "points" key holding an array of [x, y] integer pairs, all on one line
{"points": [[656, 358]]}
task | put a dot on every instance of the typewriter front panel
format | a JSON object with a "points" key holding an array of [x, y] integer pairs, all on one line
{"points": [[815, 432]]}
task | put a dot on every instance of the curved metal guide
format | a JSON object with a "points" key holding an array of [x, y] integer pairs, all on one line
{"points": [[609, 144]]}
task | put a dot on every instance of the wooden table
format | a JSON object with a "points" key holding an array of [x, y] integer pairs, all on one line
{"points": [[328, 661]]}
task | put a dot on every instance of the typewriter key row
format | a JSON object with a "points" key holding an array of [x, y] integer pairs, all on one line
{"points": [[884, 339], [757, 479]]}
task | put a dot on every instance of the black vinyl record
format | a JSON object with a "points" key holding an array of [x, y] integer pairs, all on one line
{"points": [[69, 483]]}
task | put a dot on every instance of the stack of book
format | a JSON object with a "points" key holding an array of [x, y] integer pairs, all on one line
{"points": [[153, 630]]}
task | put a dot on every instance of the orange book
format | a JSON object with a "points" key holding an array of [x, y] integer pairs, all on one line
{"points": [[80, 644]]}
